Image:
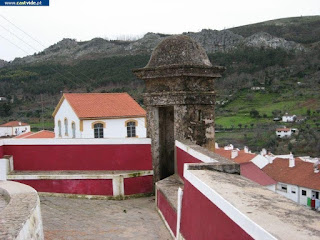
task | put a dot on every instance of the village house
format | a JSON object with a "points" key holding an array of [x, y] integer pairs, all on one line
{"points": [[296, 179], [99, 115], [285, 132], [289, 118], [250, 164], [13, 128]]}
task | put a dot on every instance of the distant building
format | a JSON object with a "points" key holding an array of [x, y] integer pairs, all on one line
{"points": [[13, 128], [296, 179], [258, 88], [288, 118], [99, 115], [284, 132], [3, 99]]}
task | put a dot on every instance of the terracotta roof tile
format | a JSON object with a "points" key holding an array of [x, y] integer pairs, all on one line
{"points": [[302, 174], [254, 173], [14, 124], [283, 129], [40, 134], [103, 105], [241, 158], [23, 135]]}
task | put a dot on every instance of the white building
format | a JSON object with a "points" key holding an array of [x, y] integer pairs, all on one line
{"points": [[283, 132], [288, 118], [14, 128], [296, 179], [99, 115]]}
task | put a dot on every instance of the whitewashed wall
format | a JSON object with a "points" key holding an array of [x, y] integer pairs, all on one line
{"points": [[283, 134], [65, 111], [115, 128], [11, 131], [297, 196]]}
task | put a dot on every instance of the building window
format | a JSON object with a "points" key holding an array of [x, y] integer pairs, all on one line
{"points": [[98, 130], [59, 128], [73, 126], [303, 192], [282, 187], [66, 127], [293, 190], [131, 129]]}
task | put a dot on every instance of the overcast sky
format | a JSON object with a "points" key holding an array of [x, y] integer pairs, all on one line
{"points": [[84, 20]]}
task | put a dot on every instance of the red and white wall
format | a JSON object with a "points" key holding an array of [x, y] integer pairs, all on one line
{"points": [[202, 213], [112, 167], [185, 154]]}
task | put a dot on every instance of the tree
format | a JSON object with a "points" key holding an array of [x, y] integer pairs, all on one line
{"points": [[254, 113]]}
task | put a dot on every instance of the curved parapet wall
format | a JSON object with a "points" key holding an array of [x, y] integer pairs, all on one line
{"points": [[21, 218]]}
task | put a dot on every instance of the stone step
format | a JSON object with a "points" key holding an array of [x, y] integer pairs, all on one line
{"points": [[169, 188]]}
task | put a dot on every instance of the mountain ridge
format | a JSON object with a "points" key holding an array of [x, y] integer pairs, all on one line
{"points": [[270, 34]]}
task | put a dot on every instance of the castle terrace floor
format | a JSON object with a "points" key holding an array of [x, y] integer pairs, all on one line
{"points": [[69, 219]]}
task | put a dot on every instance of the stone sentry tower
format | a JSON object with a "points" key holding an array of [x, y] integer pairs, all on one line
{"points": [[180, 99]]}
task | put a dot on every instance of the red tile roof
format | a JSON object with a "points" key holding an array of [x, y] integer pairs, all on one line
{"points": [[302, 174], [14, 124], [23, 135], [254, 173], [102, 105], [40, 134], [283, 129], [241, 158]]}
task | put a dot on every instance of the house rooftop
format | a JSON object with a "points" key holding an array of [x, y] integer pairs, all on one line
{"points": [[254, 173], [302, 174], [242, 157], [102, 105], [14, 124], [40, 134], [283, 129]]}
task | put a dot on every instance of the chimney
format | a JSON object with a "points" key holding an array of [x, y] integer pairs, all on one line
{"points": [[234, 154], [316, 167], [291, 161], [246, 149], [216, 145], [263, 152], [229, 147]]}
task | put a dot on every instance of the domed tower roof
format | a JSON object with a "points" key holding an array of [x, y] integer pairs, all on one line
{"points": [[178, 50]]}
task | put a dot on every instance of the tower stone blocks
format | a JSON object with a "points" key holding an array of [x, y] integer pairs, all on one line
{"points": [[180, 99]]}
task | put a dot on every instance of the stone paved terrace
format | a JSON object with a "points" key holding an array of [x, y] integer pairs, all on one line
{"points": [[3, 202], [68, 218]]}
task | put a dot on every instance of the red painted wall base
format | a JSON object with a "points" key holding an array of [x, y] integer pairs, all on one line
{"points": [[182, 158], [169, 214], [201, 219], [137, 185], [87, 186]]}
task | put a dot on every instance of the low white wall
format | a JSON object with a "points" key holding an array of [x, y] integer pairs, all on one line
{"points": [[21, 218]]}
